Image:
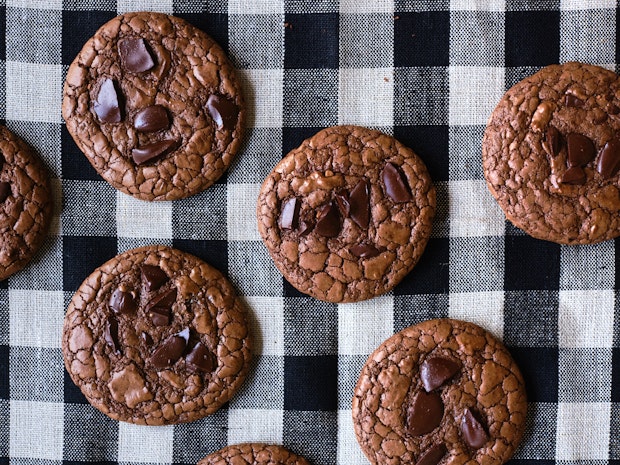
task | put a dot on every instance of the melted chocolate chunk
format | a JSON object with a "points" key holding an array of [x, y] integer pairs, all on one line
{"points": [[151, 119], [571, 101], [153, 151], [553, 141], [110, 334], [437, 370], [425, 413], [342, 200], [5, 191], [159, 309], [289, 215], [609, 159], [135, 57], [123, 303], [328, 221], [581, 150], [360, 204], [223, 111], [153, 277], [364, 251], [305, 226], [432, 455], [574, 175], [473, 432], [106, 106], [200, 359], [395, 184], [170, 350]]}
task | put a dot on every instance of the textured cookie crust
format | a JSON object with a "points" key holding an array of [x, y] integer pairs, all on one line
{"points": [[189, 68], [488, 383], [116, 325], [525, 154], [25, 203], [359, 258], [253, 454]]}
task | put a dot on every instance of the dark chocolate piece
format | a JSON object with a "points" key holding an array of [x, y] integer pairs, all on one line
{"points": [[5, 191], [123, 303], [425, 413], [110, 334], [364, 251], [433, 455], [289, 215], [437, 370], [159, 308], [473, 432], [153, 277], [153, 151], [360, 204], [170, 350], [571, 101], [395, 184], [574, 175], [151, 119], [609, 159], [553, 141], [581, 150], [342, 200], [135, 57], [328, 221], [223, 111], [200, 359], [106, 106]]}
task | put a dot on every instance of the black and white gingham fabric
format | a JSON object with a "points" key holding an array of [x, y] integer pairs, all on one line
{"points": [[427, 71]]}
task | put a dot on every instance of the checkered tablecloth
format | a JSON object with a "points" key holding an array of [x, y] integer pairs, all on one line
{"points": [[428, 72]]}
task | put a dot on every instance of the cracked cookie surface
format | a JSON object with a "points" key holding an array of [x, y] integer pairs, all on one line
{"points": [[253, 454], [551, 153], [440, 392], [155, 106], [156, 336], [25, 203], [346, 215]]}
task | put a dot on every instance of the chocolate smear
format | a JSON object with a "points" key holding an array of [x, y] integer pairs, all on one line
{"points": [[395, 185], [135, 57], [223, 111], [153, 151], [170, 350], [106, 106]]}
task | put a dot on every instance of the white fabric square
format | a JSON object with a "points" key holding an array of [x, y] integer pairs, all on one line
{"points": [[255, 7], [586, 318], [474, 94], [478, 5], [36, 4], [153, 444], [36, 317], [241, 212], [139, 219], [582, 431], [365, 96], [255, 425], [33, 92], [162, 6], [263, 93], [362, 326], [36, 430], [473, 210], [485, 309], [366, 6], [269, 315], [566, 5], [349, 452]]}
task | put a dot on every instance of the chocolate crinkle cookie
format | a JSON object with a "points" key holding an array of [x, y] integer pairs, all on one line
{"points": [[25, 203], [551, 154], [440, 392], [154, 104], [156, 336], [253, 454], [347, 215]]}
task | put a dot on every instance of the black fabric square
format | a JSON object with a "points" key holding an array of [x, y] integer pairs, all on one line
{"points": [[210, 433], [311, 383], [293, 137], [75, 165], [540, 328], [97, 440], [539, 366], [290, 291], [5, 389], [615, 374], [72, 393], [431, 274], [413, 309], [310, 327], [531, 264], [3, 33], [78, 27], [215, 253], [214, 24], [82, 254], [532, 38], [311, 41], [423, 39], [430, 143]]}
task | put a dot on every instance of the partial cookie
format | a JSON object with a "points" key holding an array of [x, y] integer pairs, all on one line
{"points": [[443, 391], [25, 203], [551, 154], [154, 104], [347, 215], [253, 454], [156, 336]]}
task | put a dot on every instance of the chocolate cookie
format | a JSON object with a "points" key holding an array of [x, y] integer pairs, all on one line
{"points": [[443, 391], [347, 215], [154, 105], [253, 454], [156, 336], [25, 203], [551, 154]]}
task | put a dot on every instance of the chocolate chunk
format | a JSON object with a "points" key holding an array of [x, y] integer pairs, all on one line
{"points": [[170, 350], [5, 191], [553, 141], [395, 185], [106, 106], [328, 221], [473, 431], [581, 150], [571, 101], [425, 413], [574, 175], [364, 251], [289, 215], [360, 204], [609, 159], [146, 338], [159, 308], [200, 359], [342, 201], [151, 119], [305, 226], [153, 151], [223, 111], [122, 302], [432, 455], [110, 334], [135, 57], [437, 370], [153, 277]]}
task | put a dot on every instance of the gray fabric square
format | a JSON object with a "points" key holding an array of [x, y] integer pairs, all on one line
{"points": [[33, 35], [584, 375], [256, 41], [5, 418], [90, 436], [311, 6], [4, 317], [538, 441], [421, 96], [192, 441], [587, 36], [476, 264], [194, 6], [125, 243], [515, 74], [202, 216], [89, 208], [264, 386], [83, 5], [413, 309], [310, 97], [587, 266], [310, 327], [44, 138], [366, 40], [529, 5], [465, 145], [2, 89], [421, 5], [251, 269], [312, 435], [614, 433], [477, 38], [540, 328], [44, 271], [36, 374], [349, 369], [261, 151]]}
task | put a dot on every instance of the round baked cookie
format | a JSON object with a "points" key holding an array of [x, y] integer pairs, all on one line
{"points": [[440, 392], [551, 154], [253, 454], [154, 104], [25, 203], [346, 215], [156, 336]]}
